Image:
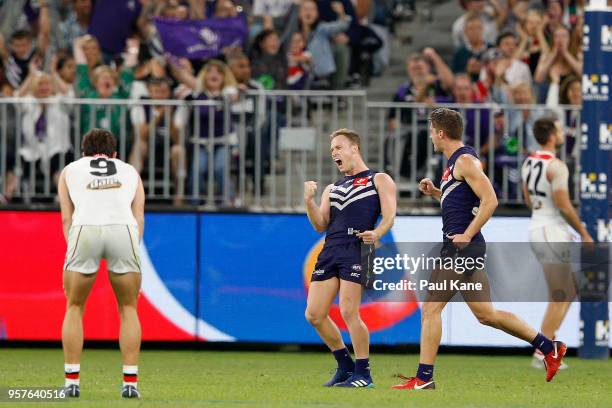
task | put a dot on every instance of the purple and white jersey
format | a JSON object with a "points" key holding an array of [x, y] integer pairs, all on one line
{"points": [[354, 208], [459, 203]]}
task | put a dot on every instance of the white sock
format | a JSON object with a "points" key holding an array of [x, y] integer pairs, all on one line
{"points": [[72, 374], [130, 375]]}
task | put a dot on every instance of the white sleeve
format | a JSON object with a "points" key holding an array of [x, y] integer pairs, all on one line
{"points": [[137, 116], [180, 116], [552, 98], [258, 8], [559, 175]]}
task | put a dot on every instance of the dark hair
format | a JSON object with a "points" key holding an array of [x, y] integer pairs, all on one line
{"points": [[154, 81], [21, 35], [351, 135], [543, 128], [564, 88], [503, 35], [473, 16], [62, 60], [447, 120], [99, 141], [260, 38], [236, 55]]}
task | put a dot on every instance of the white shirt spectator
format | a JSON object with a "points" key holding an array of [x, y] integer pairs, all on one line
{"points": [[517, 72], [57, 130], [489, 33], [272, 8]]}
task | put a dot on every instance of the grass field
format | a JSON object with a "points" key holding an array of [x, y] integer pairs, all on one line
{"points": [[252, 379]]}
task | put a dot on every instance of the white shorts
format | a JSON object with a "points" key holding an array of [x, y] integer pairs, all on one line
{"points": [[551, 243], [118, 244]]}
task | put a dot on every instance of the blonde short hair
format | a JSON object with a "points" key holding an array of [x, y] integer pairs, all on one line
{"points": [[351, 135]]}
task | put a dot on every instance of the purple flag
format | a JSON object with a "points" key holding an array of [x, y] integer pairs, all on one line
{"points": [[194, 39]]}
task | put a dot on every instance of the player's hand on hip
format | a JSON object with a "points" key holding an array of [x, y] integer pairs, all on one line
{"points": [[310, 188], [368, 237], [460, 240], [426, 186]]}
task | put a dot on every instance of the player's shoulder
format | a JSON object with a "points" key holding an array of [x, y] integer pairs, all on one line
{"points": [[74, 164], [381, 177], [556, 167], [467, 160]]}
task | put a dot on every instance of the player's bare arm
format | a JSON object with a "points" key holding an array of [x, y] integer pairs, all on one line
{"points": [[317, 215], [427, 187], [558, 175], [526, 195], [66, 205], [138, 207], [470, 169], [388, 206]]}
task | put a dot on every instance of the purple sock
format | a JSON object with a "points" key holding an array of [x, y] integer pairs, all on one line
{"points": [[345, 362], [542, 343], [425, 372], [362, 366]]}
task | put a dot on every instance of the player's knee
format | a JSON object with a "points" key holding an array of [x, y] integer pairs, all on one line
{"points": [[314, 317], [430, 310], [127, 307], [76, 305], [349, 312], [488, 318]]}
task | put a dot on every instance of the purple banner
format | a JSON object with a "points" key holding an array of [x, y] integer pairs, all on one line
{"points": [[195, 39]]}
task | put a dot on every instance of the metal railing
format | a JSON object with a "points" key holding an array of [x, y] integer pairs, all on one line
{"points": [[500, 133], [256, 151]]}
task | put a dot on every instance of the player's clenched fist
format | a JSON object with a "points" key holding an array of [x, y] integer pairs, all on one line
{"points": [[310, 188], [427, 187]]}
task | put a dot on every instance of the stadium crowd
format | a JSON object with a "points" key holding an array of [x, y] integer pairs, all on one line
{"points": [[514, 51], [519, 52]]}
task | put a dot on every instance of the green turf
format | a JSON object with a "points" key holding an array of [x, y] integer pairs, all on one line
{"points": [[248, 379]]}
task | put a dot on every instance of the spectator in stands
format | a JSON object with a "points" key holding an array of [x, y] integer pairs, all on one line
{"points": [[514, 15], [521, 120], [269, 63], [46, 130], [215, 82], [422, 85], [88, 56], [107, 84], [270, 14], [21, 52], [532, 40], [554, 18], [252, 110], [272, 8], [566, 60], [428, 77], [470, 53], [490, 16], [147, 68], [7, 157], [64, 68], [299, 63], [514, 70], [225, 8], [113, 22], [463, 93], [152, 128], [76, 23], [330, 61], [566, 92], [506, 175]]}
